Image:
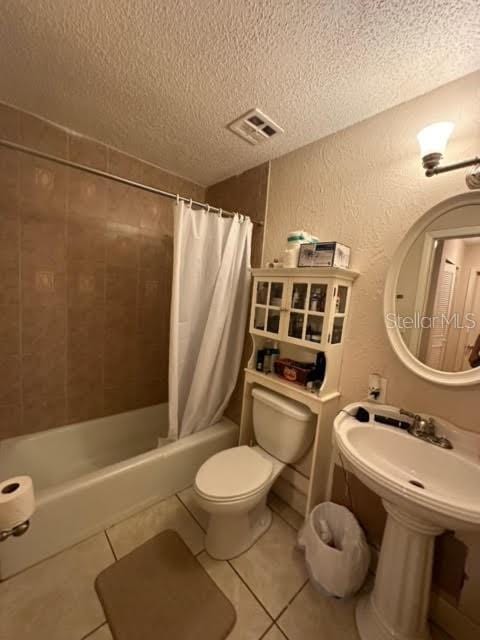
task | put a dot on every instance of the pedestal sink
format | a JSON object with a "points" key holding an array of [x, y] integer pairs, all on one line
{"points": [[425, 490]]}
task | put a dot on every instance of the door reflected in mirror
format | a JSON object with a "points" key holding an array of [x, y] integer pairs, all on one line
{"points": [[438, 293]]}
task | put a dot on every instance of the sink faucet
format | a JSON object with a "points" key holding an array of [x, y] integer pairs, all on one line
{"points": [[425, 429]]}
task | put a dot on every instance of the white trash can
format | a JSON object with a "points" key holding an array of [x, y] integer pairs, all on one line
{"points": [[336, 552]]}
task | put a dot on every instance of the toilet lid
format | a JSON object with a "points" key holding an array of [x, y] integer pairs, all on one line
{"points": [[233, 473]]}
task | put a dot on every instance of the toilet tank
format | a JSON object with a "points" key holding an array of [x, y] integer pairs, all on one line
{"points": [[283, 427]]}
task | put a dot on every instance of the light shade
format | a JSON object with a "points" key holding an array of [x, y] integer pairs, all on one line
{"points": [[434, 138]]}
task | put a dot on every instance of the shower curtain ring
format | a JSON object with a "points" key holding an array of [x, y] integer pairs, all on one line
{"points": [[190, 203], [208, 208], [220, 211]]}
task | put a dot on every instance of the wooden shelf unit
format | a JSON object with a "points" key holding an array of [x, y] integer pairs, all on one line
{"points": [[279, 293]]}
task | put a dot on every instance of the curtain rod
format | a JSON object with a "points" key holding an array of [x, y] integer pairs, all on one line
{"points": [[115, 178]]}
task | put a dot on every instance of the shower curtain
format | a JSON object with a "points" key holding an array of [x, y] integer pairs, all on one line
{"points": [[211, 280]]}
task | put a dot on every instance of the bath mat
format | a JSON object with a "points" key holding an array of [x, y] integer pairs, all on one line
{"points": [[161, 591]]}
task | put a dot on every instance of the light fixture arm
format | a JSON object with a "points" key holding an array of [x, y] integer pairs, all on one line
{"points": [[432, 171]]}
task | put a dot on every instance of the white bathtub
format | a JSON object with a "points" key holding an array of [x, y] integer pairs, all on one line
{"points": [[90, 475]]}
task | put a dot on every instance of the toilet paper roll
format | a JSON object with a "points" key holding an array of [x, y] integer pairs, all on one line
{"points": [[17, 501]]}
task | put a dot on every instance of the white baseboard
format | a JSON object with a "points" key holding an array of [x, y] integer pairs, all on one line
{"points": [[291, 495]]}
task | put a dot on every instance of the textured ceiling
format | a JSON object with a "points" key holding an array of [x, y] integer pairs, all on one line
{"points": [[161, 80]]}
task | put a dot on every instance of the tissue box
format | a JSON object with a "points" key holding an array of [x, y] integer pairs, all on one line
{"points": [[324, 254]]}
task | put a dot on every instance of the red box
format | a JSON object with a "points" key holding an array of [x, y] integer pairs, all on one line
{"points": [[293, 371]]}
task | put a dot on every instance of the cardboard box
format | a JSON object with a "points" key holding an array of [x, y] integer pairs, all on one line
{"points": [[324, 254]]}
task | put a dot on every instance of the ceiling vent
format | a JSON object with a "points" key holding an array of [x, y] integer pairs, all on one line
{"points": [[255, 127]]}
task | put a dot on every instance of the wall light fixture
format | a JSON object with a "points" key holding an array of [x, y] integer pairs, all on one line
{"points": [[433, 141]]}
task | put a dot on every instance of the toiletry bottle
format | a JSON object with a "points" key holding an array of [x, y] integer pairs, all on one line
{"points": [[267, 360], [260, 360], [319, 371], [308, 335], [275, 354]]}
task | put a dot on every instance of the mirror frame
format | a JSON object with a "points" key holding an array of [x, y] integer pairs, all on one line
{"points": [[449, 378]]}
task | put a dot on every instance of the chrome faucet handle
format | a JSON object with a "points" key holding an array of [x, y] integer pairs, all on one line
{"points": [[431, 426], [410, 414], [420, 426]]}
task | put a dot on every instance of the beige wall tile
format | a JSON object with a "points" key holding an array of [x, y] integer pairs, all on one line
{"points": [[88, 152], [9, 181], [9, 242], [9, 123], [10, 387], [55, 599], [119, 399], [87, 195], [86, 239], [96, 269], [42, 135], [43, 328], [9, 330], [43, 187], [40, 412], [9, 286], [10, 421]]}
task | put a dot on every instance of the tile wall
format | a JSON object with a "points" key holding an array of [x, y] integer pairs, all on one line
{"points": [[85, 272]]}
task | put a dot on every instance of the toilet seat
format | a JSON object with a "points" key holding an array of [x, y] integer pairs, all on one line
{"points": [[233, 474]]}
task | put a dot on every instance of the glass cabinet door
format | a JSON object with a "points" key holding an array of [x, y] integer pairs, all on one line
{"points": [[268, 298], [339, 311], [307, 308]]}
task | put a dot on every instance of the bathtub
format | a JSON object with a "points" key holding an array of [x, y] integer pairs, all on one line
{"points": [[89, 475]]}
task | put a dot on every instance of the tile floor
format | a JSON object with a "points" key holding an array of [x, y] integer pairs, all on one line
{"points": [[268, 586]]}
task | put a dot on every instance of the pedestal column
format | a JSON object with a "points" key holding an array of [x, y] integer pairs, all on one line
{"points": [[397, 608]]}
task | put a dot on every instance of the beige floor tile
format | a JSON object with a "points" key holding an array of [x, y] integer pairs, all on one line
{"points": [[312, 616], [273, 569], [103, 633], [187, 496], [56, 599], [252, 621], [168, 514], [285, 511], [274, 634]]}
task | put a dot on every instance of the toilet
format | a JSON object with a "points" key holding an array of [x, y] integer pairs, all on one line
{"points": [[232, 485]]}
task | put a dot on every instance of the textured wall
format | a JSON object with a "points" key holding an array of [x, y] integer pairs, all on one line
{"points": [[246, 193], [85, 273], [364, 186]]}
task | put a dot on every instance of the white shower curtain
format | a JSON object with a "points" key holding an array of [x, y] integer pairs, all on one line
{"points": [[211, 277]]}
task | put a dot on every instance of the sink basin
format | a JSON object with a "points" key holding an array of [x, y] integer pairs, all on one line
{"points": [[437, 484], [425, 490]]}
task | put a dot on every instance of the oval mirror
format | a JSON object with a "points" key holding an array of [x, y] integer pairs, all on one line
{"points": [[432, 294]]}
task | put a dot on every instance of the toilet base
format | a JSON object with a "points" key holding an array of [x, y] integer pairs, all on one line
{"points": [[230, 535]]}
